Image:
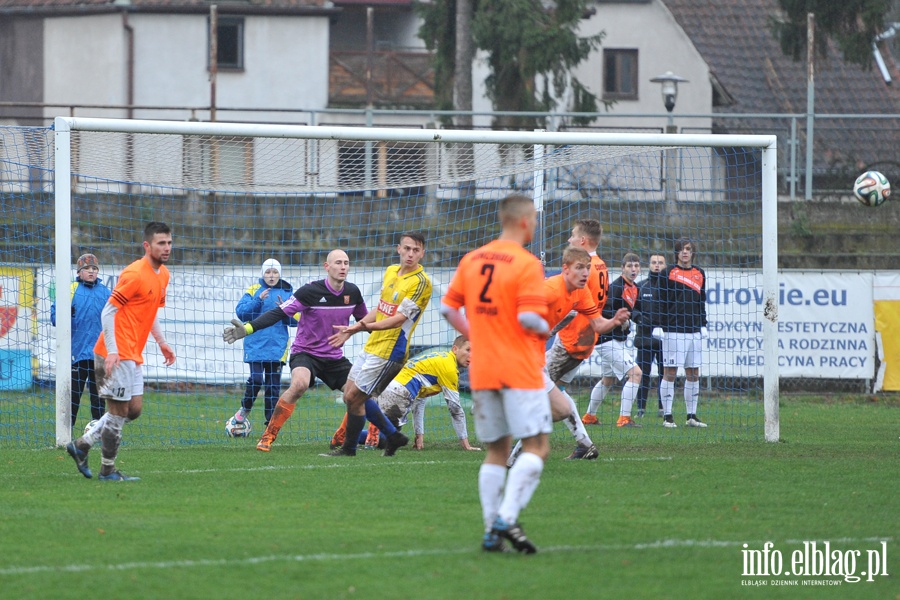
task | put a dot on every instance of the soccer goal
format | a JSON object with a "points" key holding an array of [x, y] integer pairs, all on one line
{"points": [[238, 194]]}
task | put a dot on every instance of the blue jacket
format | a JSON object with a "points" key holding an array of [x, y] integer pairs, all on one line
{"points": [[88, 300], [269, 344]]}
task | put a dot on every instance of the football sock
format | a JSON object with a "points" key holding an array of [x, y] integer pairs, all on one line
{"points": [[597, 395], [691, 395], [338, 437], [283, 411], [109, 443], [90, 438], [250, 392], [521, 481], [377, 418], [629, 391], [355, 424], [371, 436], [576, 427], [490, 490], [667, 393]]}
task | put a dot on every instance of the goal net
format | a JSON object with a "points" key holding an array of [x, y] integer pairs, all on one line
{"points": [[236, 195]]}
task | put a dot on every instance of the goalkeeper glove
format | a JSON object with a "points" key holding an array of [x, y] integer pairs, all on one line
{"points": [[236, 331], [658, 333]]}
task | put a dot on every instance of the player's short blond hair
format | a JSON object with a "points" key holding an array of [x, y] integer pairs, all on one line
{"points": [[573, 254]]}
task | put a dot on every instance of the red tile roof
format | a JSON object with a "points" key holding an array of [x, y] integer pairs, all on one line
{"points": [[45, 4], [735, 39]]}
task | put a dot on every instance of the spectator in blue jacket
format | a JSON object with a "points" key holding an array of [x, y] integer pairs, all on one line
{"points": [[89, 296], [266, 351]]}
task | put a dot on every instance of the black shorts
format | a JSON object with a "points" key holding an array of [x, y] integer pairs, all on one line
{"points": [[333, 371]]}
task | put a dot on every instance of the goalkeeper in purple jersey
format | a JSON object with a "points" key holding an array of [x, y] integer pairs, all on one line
{"points": [[322, 305]]}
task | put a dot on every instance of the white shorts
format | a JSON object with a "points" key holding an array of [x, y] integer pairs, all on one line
{"points": [[516, 413], [682, 350], [548, 383], [616, 359], [372, 374], [561, 365], [395, 403], [125, 382]]}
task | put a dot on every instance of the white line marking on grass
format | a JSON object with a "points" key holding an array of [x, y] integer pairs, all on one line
{"points": [[351, 464], [322, 465], [237, 562]]}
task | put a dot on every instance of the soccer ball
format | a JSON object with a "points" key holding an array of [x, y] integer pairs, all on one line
{"points": [[235, 428], [90, 426], [872, 188]]}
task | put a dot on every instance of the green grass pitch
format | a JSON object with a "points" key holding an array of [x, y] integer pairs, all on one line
{"points": [[655, 517]]}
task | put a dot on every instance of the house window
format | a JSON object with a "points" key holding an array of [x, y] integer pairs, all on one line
{"points": [[392, 163], [230, 43], [620, 74], [221, 161]]}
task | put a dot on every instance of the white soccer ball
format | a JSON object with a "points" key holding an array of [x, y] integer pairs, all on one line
{"points": [[90, 426], [234, 428], [872, 188]]}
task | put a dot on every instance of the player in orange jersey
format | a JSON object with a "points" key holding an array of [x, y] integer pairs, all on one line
{"points": [[129, 318], [501, 287], [567, 293], [578, 338]]}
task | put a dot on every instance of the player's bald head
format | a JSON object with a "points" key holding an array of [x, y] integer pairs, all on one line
{"points": [[514, 207], [336, 255]]}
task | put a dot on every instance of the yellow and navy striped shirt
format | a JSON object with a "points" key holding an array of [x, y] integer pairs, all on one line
{"points": [[429, 374], [415, 289]]}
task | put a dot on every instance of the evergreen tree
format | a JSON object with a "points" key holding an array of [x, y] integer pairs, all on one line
{"points": [[531, 50], [851, 24]]}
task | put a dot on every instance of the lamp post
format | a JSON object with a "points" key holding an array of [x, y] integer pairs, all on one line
{"points": [[669, 82]]}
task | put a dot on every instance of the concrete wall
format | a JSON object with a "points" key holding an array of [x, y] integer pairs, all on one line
{"points": [[662, 46], [285, 62], [20, 80]]}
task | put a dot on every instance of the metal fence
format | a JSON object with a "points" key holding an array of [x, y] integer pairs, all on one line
{"points": [[843, 145]]}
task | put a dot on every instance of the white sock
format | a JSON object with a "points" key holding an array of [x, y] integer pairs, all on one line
{"points": [[629, 393], [93, 436], [491, 479], [667, 391], [576, 427], [691, 396], [521, 481], [110, 441], [597, 395]]}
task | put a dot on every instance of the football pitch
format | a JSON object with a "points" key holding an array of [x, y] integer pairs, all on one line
{"points": [[653, 518]]}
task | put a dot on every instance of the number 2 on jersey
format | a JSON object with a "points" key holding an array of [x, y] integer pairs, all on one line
{"points": [[486, 269]]}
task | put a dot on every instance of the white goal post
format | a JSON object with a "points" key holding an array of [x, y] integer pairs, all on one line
{"points": [[302, 169]]}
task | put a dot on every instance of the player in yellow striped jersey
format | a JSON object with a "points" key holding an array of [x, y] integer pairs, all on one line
{"points": [[420, 378], [405, 293]]}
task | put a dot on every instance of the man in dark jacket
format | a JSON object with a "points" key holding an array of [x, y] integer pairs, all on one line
{"points": [[646, 317], [683, 311]]}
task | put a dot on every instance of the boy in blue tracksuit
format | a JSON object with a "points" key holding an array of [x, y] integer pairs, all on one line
{"points": [[265, 351], [89, 296]]}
